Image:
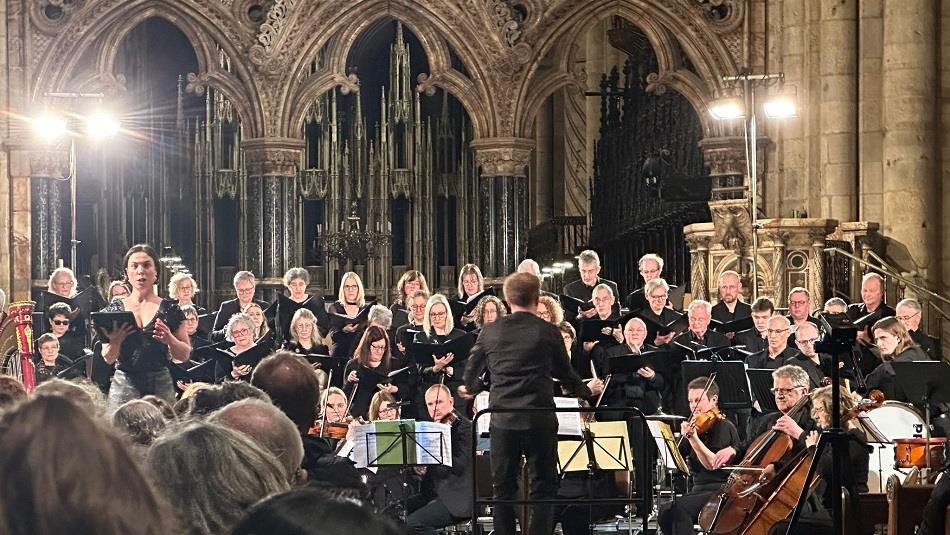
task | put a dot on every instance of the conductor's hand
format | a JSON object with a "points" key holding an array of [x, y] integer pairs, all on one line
{"points": [[596, 386], [646, 373], [788, 426], [723, 457], [119, 333], [352, 377], [440, 363]]}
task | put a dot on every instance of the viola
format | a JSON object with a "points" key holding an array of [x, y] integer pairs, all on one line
{"points": [[704, 421]]}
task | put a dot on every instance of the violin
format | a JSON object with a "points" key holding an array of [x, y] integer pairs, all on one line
{"points": [[704, 421], [337, 430]]}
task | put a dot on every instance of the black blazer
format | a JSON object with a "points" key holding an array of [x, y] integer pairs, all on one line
{"points": [[453, 485], [721, 313], [579, 290], [751, 339]]}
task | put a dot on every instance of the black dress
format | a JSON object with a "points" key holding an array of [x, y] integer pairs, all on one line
{"points": [[344, 343]]}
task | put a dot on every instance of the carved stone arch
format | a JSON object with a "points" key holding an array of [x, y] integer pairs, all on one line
{"points": [[116, 18], [434, 43], [665, 26]]}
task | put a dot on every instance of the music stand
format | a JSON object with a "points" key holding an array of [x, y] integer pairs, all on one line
{"points": [[924, 382], [595, 447], [734, 390], [760, 380]]}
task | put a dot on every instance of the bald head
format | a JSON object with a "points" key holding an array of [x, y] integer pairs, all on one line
{"points": [[267, 426]]}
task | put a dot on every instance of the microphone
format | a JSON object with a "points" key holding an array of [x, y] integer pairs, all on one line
{"points": [[400, 404]]}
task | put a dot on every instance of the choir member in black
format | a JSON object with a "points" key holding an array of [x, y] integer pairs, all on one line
{"points": [[550, 310], [816, 518], [835, 305], [895, 345], [417, 313], [799, 309], [296, 281], [409, 283], [657, 295], [908, 312], [650, 266], [50, 363], [118, 289], [488, 311], [643, 389], [779, 353], [702, 451], [191, 324], [471, 283], [240, 332], [872, 302], [789, 386], [70, 341], [141, 359], [588, 264], [569, 335], [263, 335], [805, 340], [368, 372], [245, 285], [182, 287], [451, 495], [305, 336], [754, 339], [730, 307], [699, 336], [603, 310], [437, 328], [350, 300], [523, 354]]}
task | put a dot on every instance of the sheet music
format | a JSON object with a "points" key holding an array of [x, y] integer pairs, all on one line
{"points": [[428, 446], [363, 449], [481, 403], [568, 423]]}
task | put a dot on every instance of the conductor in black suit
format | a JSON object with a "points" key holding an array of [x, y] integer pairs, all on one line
{"points": [[522, 353], [452, 485], [730, 307], [588, 264], [244, 286]]}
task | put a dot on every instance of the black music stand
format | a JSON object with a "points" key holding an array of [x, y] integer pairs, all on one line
{"points": [[761, 381], [734, 390], [406, 439], [924, 383]]}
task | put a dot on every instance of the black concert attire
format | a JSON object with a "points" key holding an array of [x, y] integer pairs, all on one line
{"points": [[637, 300], [815, 518], [710, 338], [793, 327], [629, 389], [765, 422], [451, 485], [369, 378], [579, 290], [884, 379], [929, 344], [287, 307], [300, 349], [720, 312], [581, 360], [200, 310], [71, 345], [102, 371], [869, 358], [765, 360], [401, 314], [428, 376], [198, 341], [142, 365], [752, 339], [665, 317], [523, 353], [690, 346], [935, 512], [44, 372], [225, 311], [344, 343], [678, 516]]}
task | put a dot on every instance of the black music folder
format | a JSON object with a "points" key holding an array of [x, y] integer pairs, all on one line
{"points": [[654, 328], [733, 326], [592, 330], [463, 308], [342, 319], [760, 379], [423, 354], [572, 305], [104, 322], [734, 389], [659, 360]]}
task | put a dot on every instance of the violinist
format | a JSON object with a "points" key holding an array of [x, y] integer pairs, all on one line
{"points": [[704, 444], [334, 406], [816, 517]]}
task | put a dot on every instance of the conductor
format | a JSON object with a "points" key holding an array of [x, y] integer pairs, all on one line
{"points": [[522, 353]]}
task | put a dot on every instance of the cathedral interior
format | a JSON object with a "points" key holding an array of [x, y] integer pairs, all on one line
{"points": [[384, 135]]}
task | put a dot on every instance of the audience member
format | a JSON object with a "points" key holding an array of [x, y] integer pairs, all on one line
{"points": [[12, 393], [270, 428], [208, 400]]}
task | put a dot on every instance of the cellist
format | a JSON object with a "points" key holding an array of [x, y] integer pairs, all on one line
{"points": [[702, 448], [789, 384]]}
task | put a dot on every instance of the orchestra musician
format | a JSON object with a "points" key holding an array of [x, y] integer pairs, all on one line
{"points": [[705, 450], [754, 339], [895, 345], [588, 264], [523, 353], [816, 518]]}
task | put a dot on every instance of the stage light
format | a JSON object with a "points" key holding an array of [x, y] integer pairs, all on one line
{"points": [[101, 125], [49, 127], [780, 107], [727, 108]]}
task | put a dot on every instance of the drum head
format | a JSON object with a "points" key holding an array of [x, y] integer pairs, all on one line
{"points": [[897, 420]]}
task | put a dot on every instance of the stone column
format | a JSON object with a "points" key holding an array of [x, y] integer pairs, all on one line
{"points": [[269, 219], [49, 210], [838, 108], [909, 104], [503, 225], [699, 267]]}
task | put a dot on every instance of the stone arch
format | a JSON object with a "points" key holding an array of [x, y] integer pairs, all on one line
{"points": [[435, 39], [660, 25], [115, 20]]}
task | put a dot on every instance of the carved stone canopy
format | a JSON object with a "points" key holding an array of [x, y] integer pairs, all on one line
{"points": [[502, 156], [272, 156]]}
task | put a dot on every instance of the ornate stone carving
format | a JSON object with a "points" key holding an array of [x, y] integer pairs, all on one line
{"points": [[507, 20], [272, 156], [724, 16], [725, 156], [732, 223], [502, 156], [313, 183], [197, 83], [225, 183]]}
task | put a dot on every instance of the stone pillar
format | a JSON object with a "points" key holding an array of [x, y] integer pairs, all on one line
{"points": [[909, 104], [50, 211], [269, 220], [543, 178], [839, 108], [816, 279], [699, 267], [503, 228]]}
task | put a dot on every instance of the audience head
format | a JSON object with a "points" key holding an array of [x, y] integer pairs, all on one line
{"points": [[908, 313], [208, 400], [268, 427], [292, 386], [891, 337], [651, 266], [381, 316], [139, 421], [522, 290], [62, 471], [439, 401], [778, 332], [550, 310], [182, 286], [296, 280], [409, 283], [438, 316], [12, 393], [730, 287], [762, 310], [351, 290], [212, 474], [470, 281], [167, 410], [245, 283], [588, 264], [489, 310], [799, 304], [71, 391], [872, 290], [373, 348], [62, 282], [383, 407]]}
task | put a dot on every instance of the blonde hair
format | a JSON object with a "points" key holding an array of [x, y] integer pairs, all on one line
{"points": [[410, 276], [360, 297], [175, 281], [470, 269], [438, 299], [264, 329], [554, 308], [63, 271], [306, 314]]}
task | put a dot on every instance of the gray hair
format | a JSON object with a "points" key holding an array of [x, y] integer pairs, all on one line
{"points": [[653, 285], [531, 265], [651, 256], [140, 421], [438, 299], [304, 314], [781, 318], [699, 303], [603, 286], [296, 273], [588, 256], [62, 271], [234, 473], [380, 315], [793, 372], [177, 279], [798, 289], [836, 302], [244, 276], [268, 426], [240, 317], [912, 304]]}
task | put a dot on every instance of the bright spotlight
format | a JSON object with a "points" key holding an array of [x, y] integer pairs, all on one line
{"points": [[780, 108], [49, 127], [727, 108], [101, 125]]}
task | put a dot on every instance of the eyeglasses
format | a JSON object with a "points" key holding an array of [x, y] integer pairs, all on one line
{"points": [[544, 314], [60, 322], [241, 332], [245, 290], [797, 303], [387, 409], [378, 347], [418, 307], [785, 391], [776, 331], [437, 314], [658, 297], [808, 342], [350, 287], [191, 320], [908, 318]]}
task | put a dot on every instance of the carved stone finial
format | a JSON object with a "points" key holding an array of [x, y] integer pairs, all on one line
{"points": [[502, 156], [272, 156], [732, 222]]}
